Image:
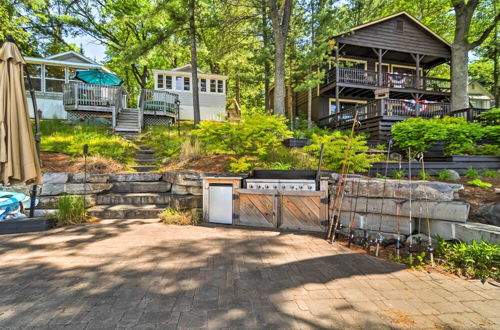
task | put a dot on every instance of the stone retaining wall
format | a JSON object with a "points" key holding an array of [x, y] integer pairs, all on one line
{"points": [[372, 203]]}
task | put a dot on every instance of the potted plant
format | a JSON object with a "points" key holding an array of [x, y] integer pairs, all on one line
{"points": [[297, 141]]}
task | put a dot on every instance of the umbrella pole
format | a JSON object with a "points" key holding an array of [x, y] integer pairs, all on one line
{"points": [[37, 133]]}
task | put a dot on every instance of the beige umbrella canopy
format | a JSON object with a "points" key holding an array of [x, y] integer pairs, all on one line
{"points": [[19, 163]]}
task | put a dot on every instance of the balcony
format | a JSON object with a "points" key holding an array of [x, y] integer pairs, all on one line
{"points": [[358, 78]]}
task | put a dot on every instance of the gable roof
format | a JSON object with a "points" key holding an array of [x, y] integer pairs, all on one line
{"points": [[401, 13], [474, 84], [71, 56], [185, 71]]}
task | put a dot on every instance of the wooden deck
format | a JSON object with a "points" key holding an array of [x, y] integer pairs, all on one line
{"points": [[377, 117], [366, 79]]}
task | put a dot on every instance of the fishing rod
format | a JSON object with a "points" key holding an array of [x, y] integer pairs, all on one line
{"points": [[429, 245], [379, 238], [410, 247], [339, 194], [365, 242], [351, 226]]}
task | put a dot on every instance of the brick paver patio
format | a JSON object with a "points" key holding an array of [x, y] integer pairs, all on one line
{"points": [[142, 274]]}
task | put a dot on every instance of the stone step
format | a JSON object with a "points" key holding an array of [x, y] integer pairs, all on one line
{"points": [[174, 201], [145, 156], [144, 168], [126, 129], [141, 187], [145, 151], [145, 161], [126, 211]]}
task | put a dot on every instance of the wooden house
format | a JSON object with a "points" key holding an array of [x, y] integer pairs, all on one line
{"points": [[211, 88], [381, 70]]}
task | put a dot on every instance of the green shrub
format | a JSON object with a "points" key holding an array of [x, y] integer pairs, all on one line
{"points": [[399, 174], [490, 174], [491, 117], [70, 210], [336, 144], [420, 134], [255, 135], [423, 175], [380, 147], [444, 175], [241, 165], [480, 184], [286, 158], [172, 216], [164, 141], [477, 260], [472, 173], [482, 149]]}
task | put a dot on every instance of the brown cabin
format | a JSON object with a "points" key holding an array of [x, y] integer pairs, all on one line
{"points": [[381, 71]]}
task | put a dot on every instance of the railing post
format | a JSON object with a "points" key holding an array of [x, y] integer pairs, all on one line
{"points": [[76, 95], [382, 106]]}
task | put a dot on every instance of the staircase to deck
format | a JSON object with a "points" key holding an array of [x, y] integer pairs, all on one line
{"points": [[128, 121]]}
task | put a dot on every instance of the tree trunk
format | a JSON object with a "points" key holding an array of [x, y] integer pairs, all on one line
{"points": [[279, 75], [237, 91], [194, 63], [309, 108], [280, 17], [496, 73], [459, 77], [267, 67]]}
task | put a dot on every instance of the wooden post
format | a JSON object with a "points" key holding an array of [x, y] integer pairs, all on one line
{"points": [[337, 70], [289, 104], [380, 66]]}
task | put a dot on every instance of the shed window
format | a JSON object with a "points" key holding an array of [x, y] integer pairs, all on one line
{"points": [[168, 82], [203, 85], [178, 83], [399, 26], [220, 86], [213, 86], [187, 84], [54, 78], [159, 82]]}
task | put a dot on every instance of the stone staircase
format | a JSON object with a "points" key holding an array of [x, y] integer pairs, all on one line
{"points": [[140, 200], [144, 157], [128, 121]]}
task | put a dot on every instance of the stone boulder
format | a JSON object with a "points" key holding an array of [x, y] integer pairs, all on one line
{"points": [[54, 189], [135, 177], [490, 214], [91, 178], [55, 177], [185, 178]]}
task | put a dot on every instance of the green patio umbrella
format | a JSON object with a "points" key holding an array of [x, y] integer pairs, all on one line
{"points": [[97, 77]]}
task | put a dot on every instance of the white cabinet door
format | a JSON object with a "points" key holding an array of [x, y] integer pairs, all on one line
{"points": [[220, 207]]}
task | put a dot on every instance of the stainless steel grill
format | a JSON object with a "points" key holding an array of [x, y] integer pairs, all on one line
{"points": [[281, 184]]}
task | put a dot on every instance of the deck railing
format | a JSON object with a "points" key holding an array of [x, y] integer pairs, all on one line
{"points": [[157, 103], [388, 107], [88, 95], [389, 80]]}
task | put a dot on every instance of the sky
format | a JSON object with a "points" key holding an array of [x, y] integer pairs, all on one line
{"points": [[91, 47]]}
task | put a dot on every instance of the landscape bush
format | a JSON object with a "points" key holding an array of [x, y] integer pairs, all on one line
{"points": [[70, 210], [476, 260], [336, 143], [444, 175], [70, 139], [255, 135], [472, 173], [172, 216], [420, 134], [164, 141]]}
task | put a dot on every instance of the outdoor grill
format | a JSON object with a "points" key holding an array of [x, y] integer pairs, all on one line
{"points": [[283, 184]]}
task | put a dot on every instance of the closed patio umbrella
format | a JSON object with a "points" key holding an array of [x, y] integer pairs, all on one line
{"points": [[19, 162]]}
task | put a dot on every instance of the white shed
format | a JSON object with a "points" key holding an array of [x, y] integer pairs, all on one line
{"points": [[211, 87]]}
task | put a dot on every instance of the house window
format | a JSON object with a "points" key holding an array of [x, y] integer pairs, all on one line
{"points": [[203, 85], [220, 86], [400, 26], [168, 82], [187, 84], [178, 83], [54, 78], [343, 104], [35, 72], [159, 82], [213, 86]]}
